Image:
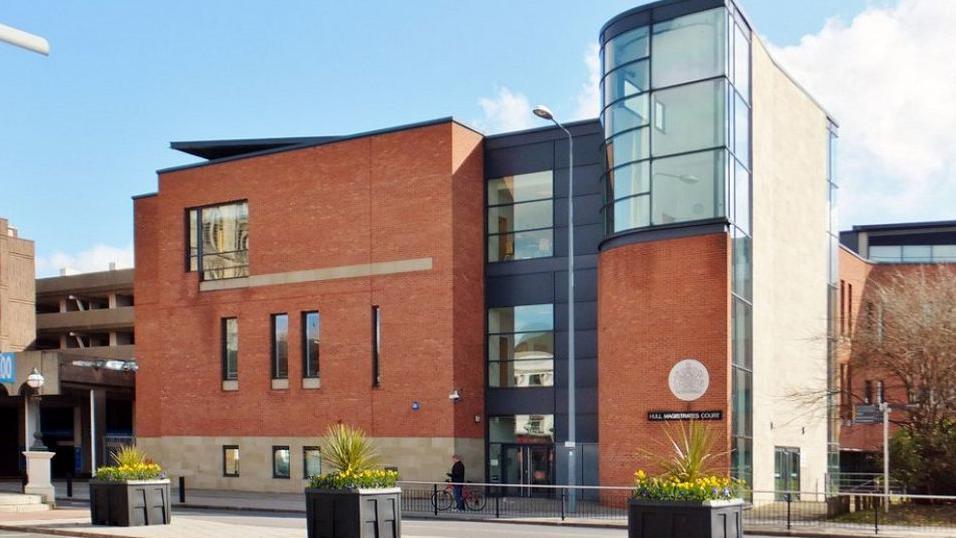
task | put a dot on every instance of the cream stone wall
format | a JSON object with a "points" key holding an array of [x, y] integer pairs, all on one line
{"points": [[790, 273], [199, 459]]}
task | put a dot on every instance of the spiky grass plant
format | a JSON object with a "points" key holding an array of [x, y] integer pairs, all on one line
{"points": [[353, 458], [130, 463]]}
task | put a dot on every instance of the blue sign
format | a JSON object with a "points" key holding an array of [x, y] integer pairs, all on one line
{"points": [[8, 367]]}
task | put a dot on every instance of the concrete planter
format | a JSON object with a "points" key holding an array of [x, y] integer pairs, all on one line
{"points": [[353, 513], [129, 503], [673, 519]]}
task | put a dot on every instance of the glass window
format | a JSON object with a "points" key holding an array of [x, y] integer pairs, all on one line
{"points": [[688, 118], [626, 81], [741, 63], [517, 205], [743, 330], [230, 460], [626, 47], [624, 115], [741, 198], [310, 344], [634, 212], [230, 348], [629, 180], [688, 187], [280, 462], [629, 146], [743, 285], [311, 461], [689, 48], [917, 253], [742, 402], [219, 240], [521, 346], [524, 429], [518, 217], [944, 253], [520, 188], [520, 319], [741, 130], [886, 253], [376, 345], [280, 346], [521, 245]]}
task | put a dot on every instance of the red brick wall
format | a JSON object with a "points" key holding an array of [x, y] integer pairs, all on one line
{"points": [[658, 303], [400, 195]]}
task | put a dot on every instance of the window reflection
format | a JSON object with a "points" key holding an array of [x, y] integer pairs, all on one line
{"points": [[688, 187], [219, 240], [689, 48], [521, 346], [520, 216]]}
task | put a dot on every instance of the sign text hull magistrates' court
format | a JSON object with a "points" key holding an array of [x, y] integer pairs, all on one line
{"points": [[661, 416]]}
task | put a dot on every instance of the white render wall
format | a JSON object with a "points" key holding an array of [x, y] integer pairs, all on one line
{"points": [[790, 273]]}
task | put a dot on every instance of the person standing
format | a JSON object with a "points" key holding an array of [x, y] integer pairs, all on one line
{"points": [[457, 476]]}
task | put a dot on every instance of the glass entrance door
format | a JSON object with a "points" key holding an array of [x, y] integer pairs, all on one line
{"points": [[528, 465], [786, 471]]}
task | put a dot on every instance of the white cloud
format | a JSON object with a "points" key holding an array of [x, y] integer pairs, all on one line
{"points": [[507, 111], [94, 259], [510, 110], [888, 77], [589, 96]]}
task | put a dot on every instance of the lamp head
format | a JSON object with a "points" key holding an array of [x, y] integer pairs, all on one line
{"points": [[543, 112], [35, 379]]}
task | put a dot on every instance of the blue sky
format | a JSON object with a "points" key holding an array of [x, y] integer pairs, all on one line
{"points": [[84, 129]]}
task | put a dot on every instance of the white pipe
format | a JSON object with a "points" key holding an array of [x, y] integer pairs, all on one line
{"points": [[24, 40], [92, 434]]}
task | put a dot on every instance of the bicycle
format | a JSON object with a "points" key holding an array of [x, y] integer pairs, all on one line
{"points": [[444, 499]]}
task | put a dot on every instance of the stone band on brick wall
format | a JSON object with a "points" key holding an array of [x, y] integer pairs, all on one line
{"points": [[199, 459], [315, 275]]}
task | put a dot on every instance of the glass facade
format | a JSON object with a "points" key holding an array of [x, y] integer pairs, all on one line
{"points": [[521, 216], [833, 282], [218, 240], [671, 108], [912, 253], [521, 346]]}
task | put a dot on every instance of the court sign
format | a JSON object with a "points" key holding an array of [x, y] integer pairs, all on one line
{"points": [[8, 367]]}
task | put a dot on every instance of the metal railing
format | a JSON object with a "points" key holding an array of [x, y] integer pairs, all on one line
{"points": [[764, 510], [865, 483]]}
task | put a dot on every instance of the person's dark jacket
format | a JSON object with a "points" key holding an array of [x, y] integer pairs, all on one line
{"points": [[457, 473]]}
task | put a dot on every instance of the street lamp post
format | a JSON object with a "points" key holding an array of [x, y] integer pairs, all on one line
{"points": [[571, 444], [35, 380]]}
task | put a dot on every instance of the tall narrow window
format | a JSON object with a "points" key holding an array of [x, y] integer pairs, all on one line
{"points": [[230, 349], [520, 216], [230, 460], [280, 346], [376, 345], [310, 344], [868, 392], [218, 240], [280, 462], [521, 346], [849, 309], [311, 461], [880, 394]]}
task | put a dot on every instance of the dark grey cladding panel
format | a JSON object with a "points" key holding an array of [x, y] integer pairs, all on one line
{"points": [[586, 396], [541, 265], [586, 427], [585, 285], [921, 237], [521, 159], [655, 12], [519, 401], [585, 316], [587, 210], [588, 179], [585, 371], [547, 133], [585, 344], [533, 288], [587, 238], [587, 150], [851, 240]]}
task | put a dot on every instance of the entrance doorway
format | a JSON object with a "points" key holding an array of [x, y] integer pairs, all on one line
{"points": [[528, 465], [786, 471]]}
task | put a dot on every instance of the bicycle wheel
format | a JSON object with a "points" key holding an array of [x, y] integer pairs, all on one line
{"points": [[475, 501], [442, 500]]}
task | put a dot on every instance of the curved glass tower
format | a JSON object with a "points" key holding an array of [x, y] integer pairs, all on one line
{"points": [[675, 108]]}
